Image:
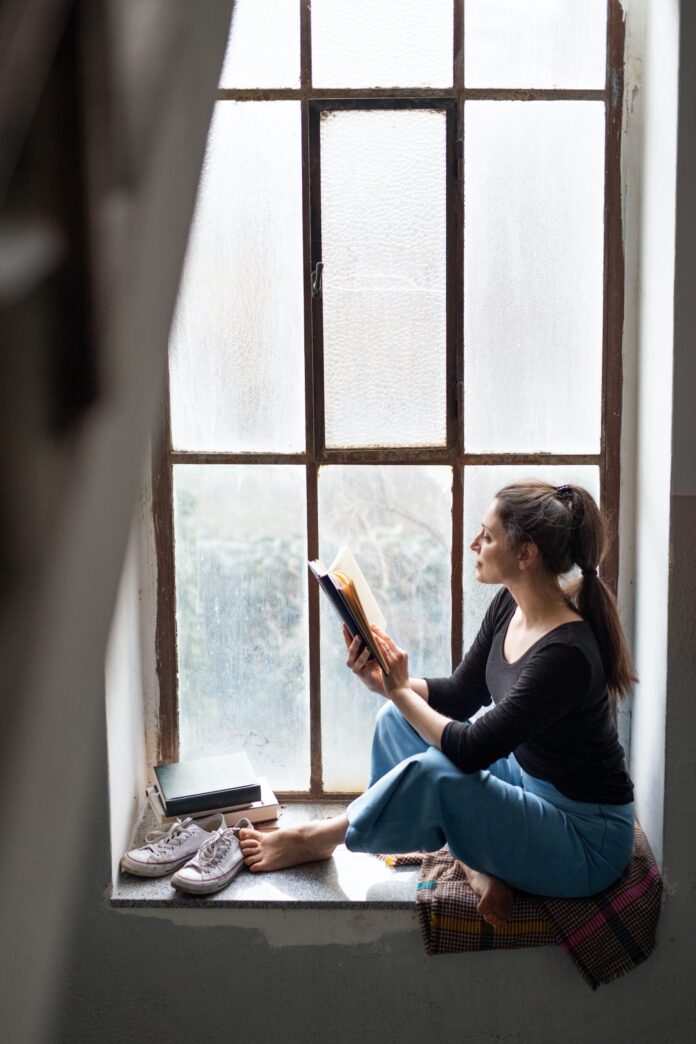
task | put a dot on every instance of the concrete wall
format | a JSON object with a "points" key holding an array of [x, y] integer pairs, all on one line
{"points": [[129, 978], [653, 108]]}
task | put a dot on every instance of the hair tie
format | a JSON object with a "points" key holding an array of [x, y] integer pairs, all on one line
{"points": [[590, 572], [564, 493]]}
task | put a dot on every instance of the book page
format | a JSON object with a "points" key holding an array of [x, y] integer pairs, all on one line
{"points": [[344, 562]]}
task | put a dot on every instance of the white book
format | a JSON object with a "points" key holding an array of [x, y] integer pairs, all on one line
{"points": [[268, 808]]}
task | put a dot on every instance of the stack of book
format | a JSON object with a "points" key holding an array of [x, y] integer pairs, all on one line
{"points": [[199, 788]]}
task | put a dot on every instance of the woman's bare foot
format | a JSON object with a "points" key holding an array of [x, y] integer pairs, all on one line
{"points": [[496, 898], [277, 849]]}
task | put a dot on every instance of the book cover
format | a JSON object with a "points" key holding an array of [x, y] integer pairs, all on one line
{"points": [[350, 595], [207, 783], [265, 810]]}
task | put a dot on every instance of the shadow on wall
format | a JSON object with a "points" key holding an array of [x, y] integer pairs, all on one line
{"points": [[104, 109]]}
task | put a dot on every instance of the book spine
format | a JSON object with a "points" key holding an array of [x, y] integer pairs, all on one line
{"points": [[345, 612], [267, 814], [222, 799], [339, 605]]}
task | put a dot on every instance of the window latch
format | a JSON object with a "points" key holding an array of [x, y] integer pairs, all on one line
{"points": [[316, 279]]}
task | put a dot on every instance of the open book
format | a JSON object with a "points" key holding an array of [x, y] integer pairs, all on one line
{"points": [[350, 595]]}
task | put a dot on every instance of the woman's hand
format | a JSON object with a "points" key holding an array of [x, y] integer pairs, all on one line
{"points": [[396, 660], [367, 670]]}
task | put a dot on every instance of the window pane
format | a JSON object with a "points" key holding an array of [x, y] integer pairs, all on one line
{"points": [[241, 615], [480, 486], [533, 265], [383, 244], [360, 43], [263, 49], [398, 523], [237, 346], [538, 43]]}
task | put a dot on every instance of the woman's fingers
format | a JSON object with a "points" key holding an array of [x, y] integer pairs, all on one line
{"points": [[352, 644], [385, 638], [388, 645], [363, 658], [357, 659]]}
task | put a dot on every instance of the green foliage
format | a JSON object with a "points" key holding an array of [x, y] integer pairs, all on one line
{"points": [[243, 635]]}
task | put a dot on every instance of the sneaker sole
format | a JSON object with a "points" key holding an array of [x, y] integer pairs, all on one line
{"points": [[131, 866], [206, 887]]}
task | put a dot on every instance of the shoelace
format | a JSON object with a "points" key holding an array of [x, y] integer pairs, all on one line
{"points": [[215, 846], [166, 838]]}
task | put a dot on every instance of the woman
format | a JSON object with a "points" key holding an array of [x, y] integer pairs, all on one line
{"points": [[534, 794]]}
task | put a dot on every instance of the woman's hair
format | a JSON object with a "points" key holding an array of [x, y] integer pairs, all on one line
{"points": [[566, 525]]}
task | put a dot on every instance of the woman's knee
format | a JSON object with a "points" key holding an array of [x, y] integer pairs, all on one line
{"points": [[391, 723], [386, 713], [438, 768]]}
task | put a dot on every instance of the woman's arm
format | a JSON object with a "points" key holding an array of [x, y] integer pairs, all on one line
{"points": [[410, 695], [370, 673], [420, 687], [427, 722], [462, 694]]}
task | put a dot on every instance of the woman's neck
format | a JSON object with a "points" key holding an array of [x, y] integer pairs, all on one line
{"points": [[540, 600]]}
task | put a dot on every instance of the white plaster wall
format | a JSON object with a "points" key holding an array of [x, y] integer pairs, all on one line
{"points": [[657, 83], [132, 690], [125, 726]]}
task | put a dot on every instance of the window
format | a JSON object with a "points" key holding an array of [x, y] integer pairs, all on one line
{"points": [[395, 299]]}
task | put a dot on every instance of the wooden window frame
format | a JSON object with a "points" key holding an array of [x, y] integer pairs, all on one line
{"points": [[313, 102]]}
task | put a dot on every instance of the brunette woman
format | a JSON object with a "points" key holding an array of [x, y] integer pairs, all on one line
{"points": [[534, 793]]}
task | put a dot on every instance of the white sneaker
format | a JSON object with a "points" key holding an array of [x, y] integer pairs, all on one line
{"points": [[166, 850], [217, 861]]}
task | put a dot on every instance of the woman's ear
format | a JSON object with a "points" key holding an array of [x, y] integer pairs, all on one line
{"points": [[527, 555]]}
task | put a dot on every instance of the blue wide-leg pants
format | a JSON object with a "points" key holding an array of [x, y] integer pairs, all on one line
{"points": [[500, 821]]}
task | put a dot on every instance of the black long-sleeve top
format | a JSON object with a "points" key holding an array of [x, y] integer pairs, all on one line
{"points": [[551, 709]]}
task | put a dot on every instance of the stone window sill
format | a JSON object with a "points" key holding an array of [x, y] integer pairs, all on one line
{"points": [[348, 881]]}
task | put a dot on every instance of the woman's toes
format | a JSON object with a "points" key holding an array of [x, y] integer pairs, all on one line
{"points": [[493, 920]]}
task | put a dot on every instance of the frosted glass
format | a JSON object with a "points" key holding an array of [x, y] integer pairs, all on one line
{"points": [[398, 523], [263, 49], [241, 616], [535, 43], [480, 487], [533, 283], [393, 43], [237, 345], [383, 243]]}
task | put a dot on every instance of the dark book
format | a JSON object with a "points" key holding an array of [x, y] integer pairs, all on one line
{"points": [[261, 811], [207, 783], [350, 595]]}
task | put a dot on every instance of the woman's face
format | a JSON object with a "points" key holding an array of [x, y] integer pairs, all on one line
{"points": [[495, 562]]}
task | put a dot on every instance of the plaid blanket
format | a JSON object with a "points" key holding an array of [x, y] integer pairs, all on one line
{"points": [[605, 935]]}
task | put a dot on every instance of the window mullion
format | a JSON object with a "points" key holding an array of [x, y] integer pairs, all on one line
{"points": [[313, 395], [166, 639], [610, 470], [455, 352]]}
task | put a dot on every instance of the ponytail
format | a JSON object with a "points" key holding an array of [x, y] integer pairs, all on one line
{"points": [[567, 527]]}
